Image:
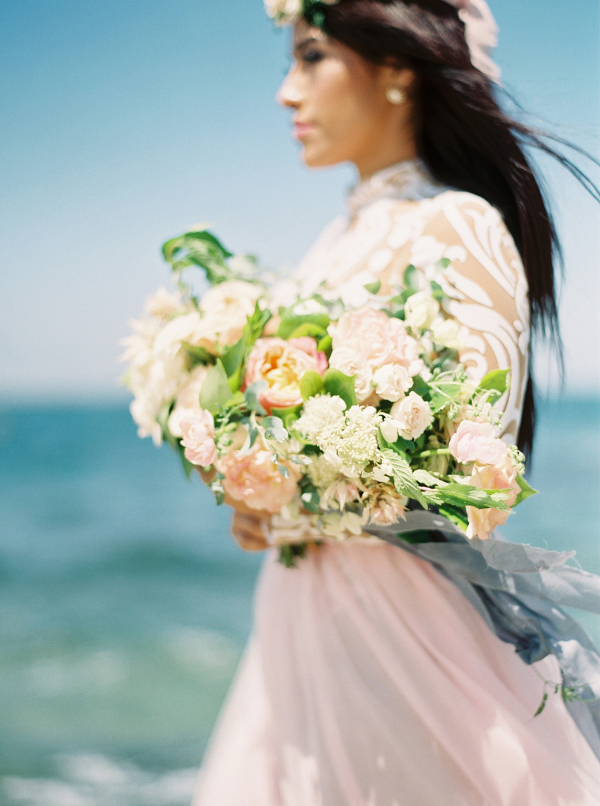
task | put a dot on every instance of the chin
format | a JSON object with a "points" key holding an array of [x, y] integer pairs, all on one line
{"points": [[314, 157]]}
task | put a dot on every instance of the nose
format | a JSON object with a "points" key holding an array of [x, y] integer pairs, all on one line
{"points": [[289, 93]]}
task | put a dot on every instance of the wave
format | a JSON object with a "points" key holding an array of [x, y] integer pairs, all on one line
{"points": [[96, 780]]}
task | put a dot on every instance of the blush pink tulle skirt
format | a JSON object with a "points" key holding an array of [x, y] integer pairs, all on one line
{"points": [[371, 681]]}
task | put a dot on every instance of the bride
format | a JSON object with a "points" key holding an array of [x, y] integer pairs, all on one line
{"points": [[370, 678]]}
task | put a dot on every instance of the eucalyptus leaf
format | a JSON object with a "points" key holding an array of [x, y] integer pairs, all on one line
{"points": [[274, 429], [404, 480], [284, 471], [336, 383], [215, 392], [252, 394]]}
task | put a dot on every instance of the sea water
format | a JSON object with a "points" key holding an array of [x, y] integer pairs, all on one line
{"points": [[125, 605]]}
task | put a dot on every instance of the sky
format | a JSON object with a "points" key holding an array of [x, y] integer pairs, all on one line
{"points": [[123, 122]]}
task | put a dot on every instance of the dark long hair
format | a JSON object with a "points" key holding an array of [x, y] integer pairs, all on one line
{"points": [[467, 141]]}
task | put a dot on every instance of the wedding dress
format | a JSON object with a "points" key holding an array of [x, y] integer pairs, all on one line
{"points": [[370, 679]]}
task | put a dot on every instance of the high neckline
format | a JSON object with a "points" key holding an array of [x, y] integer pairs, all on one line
{"points": [[409, 180]]}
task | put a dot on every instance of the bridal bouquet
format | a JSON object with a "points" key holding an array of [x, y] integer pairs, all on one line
{"points": [[321, 416]]}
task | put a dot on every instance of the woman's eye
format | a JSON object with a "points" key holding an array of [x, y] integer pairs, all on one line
{"points": [[312, 56]]}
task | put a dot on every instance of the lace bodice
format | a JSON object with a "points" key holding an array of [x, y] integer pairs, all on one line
{"points": [[402, 216]]}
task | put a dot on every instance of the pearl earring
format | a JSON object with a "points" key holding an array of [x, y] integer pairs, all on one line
{"points": [[395, 95]]}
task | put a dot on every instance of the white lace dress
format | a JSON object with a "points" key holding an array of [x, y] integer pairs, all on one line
{"points": [[369, 679]]}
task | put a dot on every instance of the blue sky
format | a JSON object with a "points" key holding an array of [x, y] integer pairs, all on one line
{"points": [[122, 122]]}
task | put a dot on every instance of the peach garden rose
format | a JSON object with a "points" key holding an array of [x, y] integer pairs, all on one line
{"points": [[199, 438], [482, 522], [255, 479], [477, 442], [282, 364]]}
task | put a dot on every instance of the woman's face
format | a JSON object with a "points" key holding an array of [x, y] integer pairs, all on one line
{"points": [[341, 112]]}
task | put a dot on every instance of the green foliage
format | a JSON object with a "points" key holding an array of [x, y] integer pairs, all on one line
{"points": [[308, 329], [290, 322], [325, 345], [274, 429], [311, 384], [411, 278], [463, 495], [232, 361], [373, 288], [290, 554], [255, 325], [252, 396], [416, 537], [202, 250], [215, 392], [288, 416], [442, 394], [496, 380], [424, 477], [526, 490], [336, 383], [455, 515], [198, 355], [404, 480]]}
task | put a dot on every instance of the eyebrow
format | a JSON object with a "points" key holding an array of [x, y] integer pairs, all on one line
{"points": [[304, 42]]}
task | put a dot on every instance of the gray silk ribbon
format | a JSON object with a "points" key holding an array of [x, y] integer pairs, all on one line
{"points": [[520, 591]]}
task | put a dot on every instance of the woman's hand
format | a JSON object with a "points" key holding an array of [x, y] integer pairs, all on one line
{"points": [[248, 525]]}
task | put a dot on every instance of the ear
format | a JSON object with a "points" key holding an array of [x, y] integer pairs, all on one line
{"points": [[402, 77]]}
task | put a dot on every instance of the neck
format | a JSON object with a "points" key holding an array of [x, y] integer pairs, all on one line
{"points": [[374, 162]]}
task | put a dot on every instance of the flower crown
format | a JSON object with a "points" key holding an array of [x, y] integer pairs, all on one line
{"points": [[481, 31]]}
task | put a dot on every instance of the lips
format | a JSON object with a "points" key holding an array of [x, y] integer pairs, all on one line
{"points": [[301, 130]]}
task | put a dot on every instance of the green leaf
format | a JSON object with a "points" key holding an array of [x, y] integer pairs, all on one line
{"points": [[526, 490], [311, 384], [290, 553], [252, 394], [444, 263], [188, 467], [284, 471], [455, 515], [437, 292], [198, 354], [232, 362], [416, 537], [255, 325], [411, 278], [308, 329], [424, 477], [464, 495], [326, 345], [336, 383], [199, 249], [542, 705], [497, 380], [373, 288], [404, 480], [291, 322], [215, 392], [442, 394]]}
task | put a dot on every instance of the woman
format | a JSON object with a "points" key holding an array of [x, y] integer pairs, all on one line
{"points": [[370, 679]]}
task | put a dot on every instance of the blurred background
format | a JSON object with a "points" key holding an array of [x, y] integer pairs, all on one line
{"points": [[124, 605]]}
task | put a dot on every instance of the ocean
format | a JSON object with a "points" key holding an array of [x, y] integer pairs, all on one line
{"points": [[125, 604]]}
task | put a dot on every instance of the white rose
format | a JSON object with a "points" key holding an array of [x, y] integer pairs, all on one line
{"points": [[284, 11], [187, 403], [351, 362], [411, 416], [445, 332], [392, 382], [420, 311], [163, 304], [226, 307], [389, 430]]}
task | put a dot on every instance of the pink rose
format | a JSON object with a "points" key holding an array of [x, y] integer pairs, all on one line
{"points": [[254, 479], [379, 338], [282, 364], [476, 442], [367, 331], [482, 522], [199, 438]]}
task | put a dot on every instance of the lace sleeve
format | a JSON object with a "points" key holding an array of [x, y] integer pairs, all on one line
{"points": [[485, 282]]}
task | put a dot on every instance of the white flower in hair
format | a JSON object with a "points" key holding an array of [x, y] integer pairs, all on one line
{"points": [[288, 12]]}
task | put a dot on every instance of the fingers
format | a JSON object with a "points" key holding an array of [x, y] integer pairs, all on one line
{"points": [[248, 530]]}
